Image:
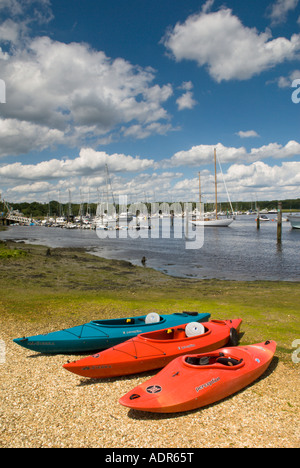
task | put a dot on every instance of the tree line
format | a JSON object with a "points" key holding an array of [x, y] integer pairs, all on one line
{"points": [[55, 209]]}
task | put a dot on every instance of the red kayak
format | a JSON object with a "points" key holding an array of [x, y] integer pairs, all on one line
{"points": [[156, 349], [193, 381]]}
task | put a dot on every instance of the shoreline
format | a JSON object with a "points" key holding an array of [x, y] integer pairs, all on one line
{"points": [[16, 244], [92, 251]]}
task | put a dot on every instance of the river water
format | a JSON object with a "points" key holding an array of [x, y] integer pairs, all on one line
{"points": [[237, 252]]}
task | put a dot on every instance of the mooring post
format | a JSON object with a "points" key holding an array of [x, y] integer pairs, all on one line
{"points": [[279, 223], [257, 219]]}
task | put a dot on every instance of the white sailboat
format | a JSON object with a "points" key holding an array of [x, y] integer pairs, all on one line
{"points": [[294, 219], [212, 221]]}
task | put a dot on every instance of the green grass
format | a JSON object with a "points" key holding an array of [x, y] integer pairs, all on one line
{"points": [[6, 252], [66, 287]]}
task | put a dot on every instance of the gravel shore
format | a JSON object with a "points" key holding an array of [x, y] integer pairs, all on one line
{"points": [[43, 405]]}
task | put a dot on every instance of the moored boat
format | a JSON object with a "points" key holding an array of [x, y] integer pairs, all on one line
{"points": [[156, 349], [102, 334], [294, 220], [213, 221], [220, 222], [193, 381], [263, 217]]}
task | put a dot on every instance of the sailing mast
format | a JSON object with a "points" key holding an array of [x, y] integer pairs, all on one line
{"points": [[200, 195], [212, 221], [216, 190]]}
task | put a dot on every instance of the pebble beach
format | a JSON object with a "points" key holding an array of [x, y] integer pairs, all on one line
{"points": [[44, 406]]}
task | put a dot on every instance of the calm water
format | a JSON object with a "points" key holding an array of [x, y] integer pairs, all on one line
{"points": [[238, 252]]}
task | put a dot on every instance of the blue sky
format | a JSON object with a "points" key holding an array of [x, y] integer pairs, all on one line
{"points": [[150, 89]]}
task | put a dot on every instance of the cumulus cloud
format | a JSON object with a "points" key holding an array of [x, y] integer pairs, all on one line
{"points": [[261, 176], [88, 163], [286, 81], [36, 187], [203, 154], [229, 50], [19, 137], [247, 134], [207, 6], [57, 89], [186, 101], [279, 10], [257, 181], [246, 176]]}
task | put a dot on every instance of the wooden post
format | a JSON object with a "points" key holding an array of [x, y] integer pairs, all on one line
{"points": [[279, 223], [257, 219]]}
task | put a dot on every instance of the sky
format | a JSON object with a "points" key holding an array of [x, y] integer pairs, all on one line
{"points": [[148, 89]]}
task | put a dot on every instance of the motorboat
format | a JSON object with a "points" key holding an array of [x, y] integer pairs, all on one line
{"points": [[294, 219]]}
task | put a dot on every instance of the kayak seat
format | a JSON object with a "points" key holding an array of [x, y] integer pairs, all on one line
{"points": [[179, 333], [208, 360], [196, 361], [227, 361]]}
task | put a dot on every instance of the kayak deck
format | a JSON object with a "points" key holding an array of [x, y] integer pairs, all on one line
{"points": [[154, 350], [193, 381], [102, 334]]}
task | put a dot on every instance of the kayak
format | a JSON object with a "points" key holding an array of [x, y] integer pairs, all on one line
{"points": [[193, 381], [102, 334], [156, 349]]}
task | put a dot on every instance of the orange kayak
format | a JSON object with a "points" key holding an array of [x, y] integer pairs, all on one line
{"points": [[154, 350], [194, 381]]}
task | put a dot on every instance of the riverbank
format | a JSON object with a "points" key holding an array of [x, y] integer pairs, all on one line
{"points": [[43, 405]]}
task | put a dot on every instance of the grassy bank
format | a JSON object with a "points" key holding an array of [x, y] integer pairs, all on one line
{"points": [[44, 290]]}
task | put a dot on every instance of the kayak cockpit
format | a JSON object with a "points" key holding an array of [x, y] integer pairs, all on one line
{"points": [[173, 334], [215, 360], [149, 319]]}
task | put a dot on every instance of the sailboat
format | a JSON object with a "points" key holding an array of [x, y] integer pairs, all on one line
{"points": [[214, 221]]}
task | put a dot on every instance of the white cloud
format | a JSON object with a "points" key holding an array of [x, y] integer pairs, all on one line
{"points": [[286, 81], [256, 181], [19, 136], [280, 9], [247, 134], [276, 151], [245, 181], [207, 6], [88, 163], [203, 154], [139, 131], [261, 177], [9, 31], [186, 85], [36, 187], [40, 10], [75, 91], [229, 49]]}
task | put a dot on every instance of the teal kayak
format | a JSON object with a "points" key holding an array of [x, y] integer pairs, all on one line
{"points": [[102, 334]]}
